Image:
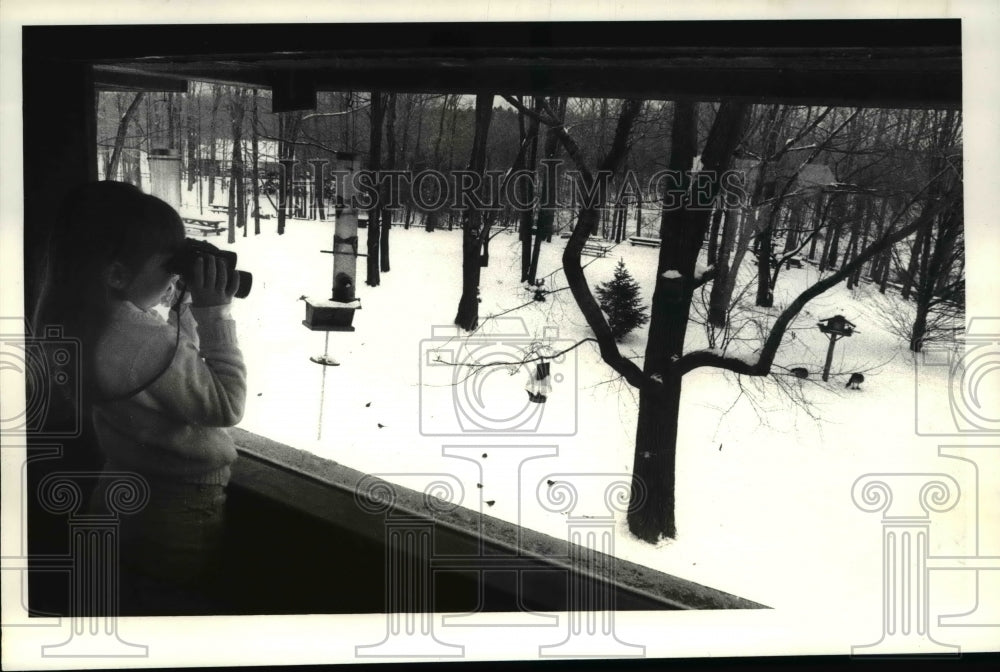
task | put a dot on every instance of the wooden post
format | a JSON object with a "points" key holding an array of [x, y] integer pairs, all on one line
{"points": [[829, 357]]}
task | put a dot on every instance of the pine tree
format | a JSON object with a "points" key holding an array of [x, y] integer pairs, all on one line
{"points": [[620, 299]]}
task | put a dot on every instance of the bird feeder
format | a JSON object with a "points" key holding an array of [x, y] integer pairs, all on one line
{"points": [[835, 328], [337, 312]]}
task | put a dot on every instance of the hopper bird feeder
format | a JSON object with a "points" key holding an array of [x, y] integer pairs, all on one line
{"points": [[835, 328], [337, 312]]}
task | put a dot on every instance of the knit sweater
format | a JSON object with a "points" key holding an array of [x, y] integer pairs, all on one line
{"points": [[172, 429]]}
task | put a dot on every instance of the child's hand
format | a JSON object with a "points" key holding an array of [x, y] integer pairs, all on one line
{"points": [[211, 283]]}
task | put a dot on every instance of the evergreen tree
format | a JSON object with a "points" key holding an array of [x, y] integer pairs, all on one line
{"points": [[620, 299]]}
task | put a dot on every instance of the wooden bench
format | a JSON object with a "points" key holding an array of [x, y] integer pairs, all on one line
{"points": [[793, 262], [642, 240], [595, 249], [203, 226]]}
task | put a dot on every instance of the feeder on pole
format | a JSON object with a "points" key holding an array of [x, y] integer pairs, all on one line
{"points": [[337, 312], [835, 328]]}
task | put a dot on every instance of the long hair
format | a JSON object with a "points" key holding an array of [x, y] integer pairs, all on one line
{"points": [[98, 224]]}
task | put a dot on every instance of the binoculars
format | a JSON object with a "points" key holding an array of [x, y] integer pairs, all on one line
{"points": [[191, 250]]}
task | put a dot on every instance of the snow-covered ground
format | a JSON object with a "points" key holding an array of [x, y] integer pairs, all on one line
{"points": [[764, 494]]}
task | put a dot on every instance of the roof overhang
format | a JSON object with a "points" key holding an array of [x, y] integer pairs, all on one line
{"points": [[904, 63]]}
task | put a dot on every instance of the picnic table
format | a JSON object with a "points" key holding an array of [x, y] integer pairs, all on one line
{"points": [[203, 225], [595, 249], [643, 240]]}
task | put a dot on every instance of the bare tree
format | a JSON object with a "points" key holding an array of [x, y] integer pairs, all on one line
{"points": [[255, 158], [651, 509], [474, 232], [289, 124], [390, 164], [111, 168], [527, 160], [237, 199], [546, 214], [375, 212]]}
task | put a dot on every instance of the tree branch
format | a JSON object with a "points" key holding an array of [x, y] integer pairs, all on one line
{"points": [[765, 359], [560, 130], [586, 222]]}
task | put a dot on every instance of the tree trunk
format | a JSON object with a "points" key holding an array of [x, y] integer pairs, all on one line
{"points": [[283, 176], [237, 213], [651, 507], [193, 139], [713, 235], [375, 213], [527, 194], [793, 222], [769, 207], [765, 297], [819, 216], [171, 142], [638, 212], [546, 216], [255, 150], [213, 130], [875, 270], [852, 242], [883, 281], [829, 256], [913, 266], [862, 241], [651, 501], [288, 130], [467, 316], [390, 164], [725, 276], [111, 168], [417, 158]]}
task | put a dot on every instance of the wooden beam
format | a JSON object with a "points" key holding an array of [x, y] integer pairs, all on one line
{"points": [[885, 63], [116, 78]]}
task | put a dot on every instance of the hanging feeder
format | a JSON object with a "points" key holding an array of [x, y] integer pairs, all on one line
{"points": [[539, 385]]}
